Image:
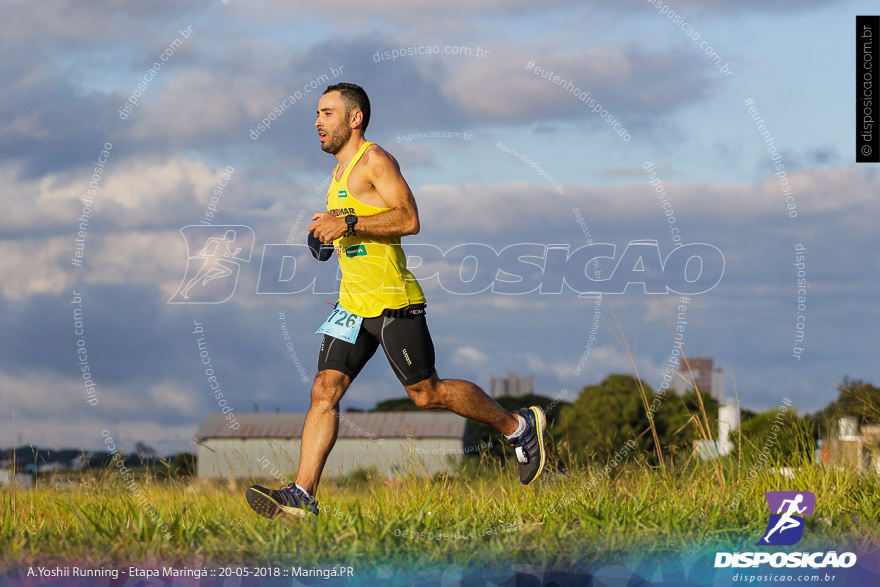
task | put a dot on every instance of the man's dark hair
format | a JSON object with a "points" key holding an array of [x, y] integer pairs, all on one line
{"points": [[354, 96]]}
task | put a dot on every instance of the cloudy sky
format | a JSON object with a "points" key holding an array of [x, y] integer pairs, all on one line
{"points": [[516, 127]]}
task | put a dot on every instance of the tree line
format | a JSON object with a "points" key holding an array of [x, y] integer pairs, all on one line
{"points": [[606, 416]]}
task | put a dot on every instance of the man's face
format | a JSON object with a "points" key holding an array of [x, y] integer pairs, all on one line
{"points": [[332, 123]]}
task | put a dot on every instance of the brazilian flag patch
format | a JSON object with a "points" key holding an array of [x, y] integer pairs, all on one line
{"points": [[343, 194], [355, 251]]}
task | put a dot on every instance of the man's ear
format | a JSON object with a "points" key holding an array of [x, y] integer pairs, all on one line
{"points": [[356, 117]]}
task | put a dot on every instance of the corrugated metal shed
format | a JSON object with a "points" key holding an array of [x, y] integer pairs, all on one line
{"points": [[427, 424], [394, 444]]}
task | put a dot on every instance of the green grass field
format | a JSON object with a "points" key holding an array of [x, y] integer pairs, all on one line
{"points": [[480, 516]]}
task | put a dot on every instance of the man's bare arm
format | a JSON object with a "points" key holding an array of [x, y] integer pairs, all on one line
{"points": [[383, 173]]}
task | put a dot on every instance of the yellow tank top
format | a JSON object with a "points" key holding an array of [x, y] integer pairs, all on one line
{"points": [[374, 273]]}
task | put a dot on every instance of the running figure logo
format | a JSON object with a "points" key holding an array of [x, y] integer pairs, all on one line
{"points": [[212, 273], [786, 526]]}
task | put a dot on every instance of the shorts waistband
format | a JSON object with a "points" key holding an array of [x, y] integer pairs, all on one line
{"points": [[410, 311]]}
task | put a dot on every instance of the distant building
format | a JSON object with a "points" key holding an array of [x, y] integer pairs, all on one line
{"points": [[728, 421], [709, 381], [718, 389], [512, 386], [393, 443], [849, 448], [871, 449], [22, 480]]}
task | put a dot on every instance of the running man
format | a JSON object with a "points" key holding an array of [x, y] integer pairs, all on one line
{"points": [[369, 207], [786, 522]]}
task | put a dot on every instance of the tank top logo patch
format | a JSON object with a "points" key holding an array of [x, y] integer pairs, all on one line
{"points": [[343, 194], [355, 251]]}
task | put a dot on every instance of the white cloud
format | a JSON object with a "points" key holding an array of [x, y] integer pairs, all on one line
{"points": [[166, 397], [39, 398], [33, 266], [128, 193], [468, 356], [141, 192]]}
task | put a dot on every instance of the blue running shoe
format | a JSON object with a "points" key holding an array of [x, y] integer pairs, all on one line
{"points": [[289, 499], [529, 446]]}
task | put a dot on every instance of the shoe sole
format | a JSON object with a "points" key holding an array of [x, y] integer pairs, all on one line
{"points": [[541, 420], [267, 507]]}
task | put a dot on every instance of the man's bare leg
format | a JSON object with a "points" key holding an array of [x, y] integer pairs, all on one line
{"points": [[465, 399], [321, 427], [319, 436]]}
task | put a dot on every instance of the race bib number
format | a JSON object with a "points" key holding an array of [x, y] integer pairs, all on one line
{"points": [[341, 324]]}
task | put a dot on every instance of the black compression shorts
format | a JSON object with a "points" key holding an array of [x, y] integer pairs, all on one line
{"points": [[405, 340]]}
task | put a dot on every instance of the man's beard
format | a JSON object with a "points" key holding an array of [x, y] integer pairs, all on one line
{"points": [[336, 140]]}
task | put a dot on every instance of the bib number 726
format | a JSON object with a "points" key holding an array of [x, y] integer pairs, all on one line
{"points": [[341, 324]]}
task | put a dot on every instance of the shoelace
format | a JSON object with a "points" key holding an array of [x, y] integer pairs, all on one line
{"points": [[302, 496]]}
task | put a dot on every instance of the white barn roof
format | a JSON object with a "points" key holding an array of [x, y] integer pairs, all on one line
{"points": [[423, 424]]}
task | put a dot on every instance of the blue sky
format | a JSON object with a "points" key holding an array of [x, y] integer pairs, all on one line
{"points": [[60, 106]]}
